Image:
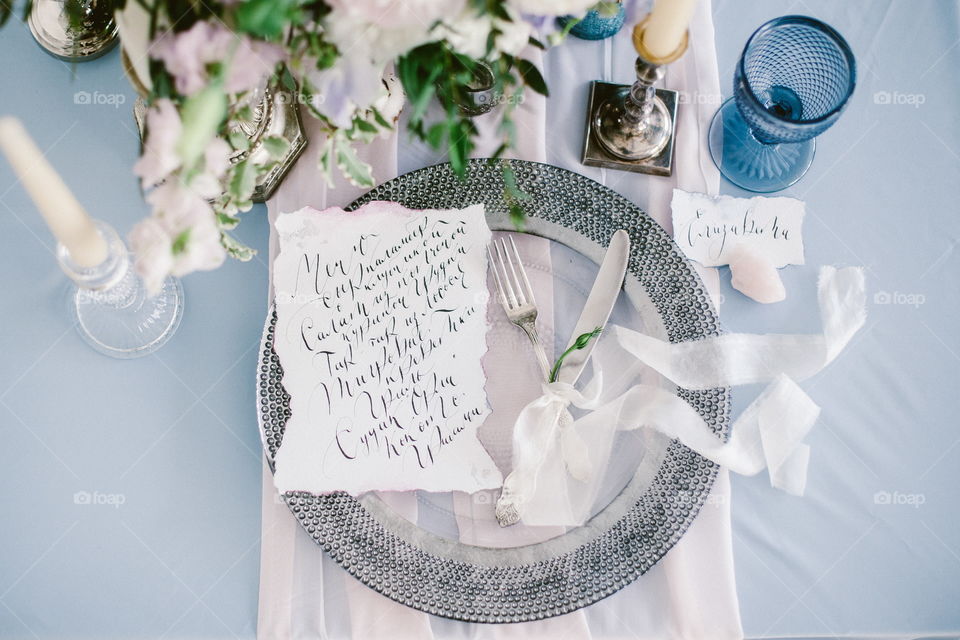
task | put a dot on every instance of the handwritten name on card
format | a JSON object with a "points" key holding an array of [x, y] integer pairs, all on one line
{"points": [[709, 228], [380, 330]]}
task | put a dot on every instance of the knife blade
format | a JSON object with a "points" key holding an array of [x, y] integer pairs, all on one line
{"points": [[599, 305]]}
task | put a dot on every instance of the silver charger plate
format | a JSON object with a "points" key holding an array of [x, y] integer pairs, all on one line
{"points": [[624, 539]]}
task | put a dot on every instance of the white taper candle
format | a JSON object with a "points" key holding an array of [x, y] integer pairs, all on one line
{"points": [[68, 221]]}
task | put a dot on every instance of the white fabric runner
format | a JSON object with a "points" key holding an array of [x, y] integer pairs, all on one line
{"points": [[689, 594]]}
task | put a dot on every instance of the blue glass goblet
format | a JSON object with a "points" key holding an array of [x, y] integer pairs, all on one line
{"points": [[794, 78]]}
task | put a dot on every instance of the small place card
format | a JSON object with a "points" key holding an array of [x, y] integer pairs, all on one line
{"points": [[709, 228], [381, 326]]}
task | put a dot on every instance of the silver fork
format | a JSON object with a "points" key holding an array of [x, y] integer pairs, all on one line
{"points": [[516, 295]]}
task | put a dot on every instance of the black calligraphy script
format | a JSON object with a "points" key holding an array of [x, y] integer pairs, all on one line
{"points": [[381, 323]]}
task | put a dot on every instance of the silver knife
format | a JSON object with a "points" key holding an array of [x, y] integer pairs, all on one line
{"points": [[596, 311]]}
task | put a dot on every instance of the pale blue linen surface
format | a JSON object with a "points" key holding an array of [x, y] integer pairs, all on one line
{"points": [[873, 549]]}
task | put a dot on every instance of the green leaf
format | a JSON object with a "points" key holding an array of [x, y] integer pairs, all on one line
{"points": [[236, 249], [243, 180], [356, 170], [227, 221], [532, 77], [580, 343], [363, 125], [239, 140], [276, 146], [202, 114], [288, 81], [361, 131], [517, 216], [6, 9], [380, 119], [435, 134], [418, 72], [326, 161], [266, 18], [180, 242]]}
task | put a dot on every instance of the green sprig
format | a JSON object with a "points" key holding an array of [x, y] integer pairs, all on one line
{"points": [[580, 343]]}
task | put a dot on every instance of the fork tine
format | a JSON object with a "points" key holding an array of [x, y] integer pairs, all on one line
{"points": [[496, 277], [523, 273], [508, 287], [513, 270]]}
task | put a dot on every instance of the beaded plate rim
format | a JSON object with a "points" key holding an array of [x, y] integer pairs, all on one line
{"points": [[477, 584]]}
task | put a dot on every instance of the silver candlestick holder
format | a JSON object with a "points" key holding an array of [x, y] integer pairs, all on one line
{"points": [[631, 127], [110, 306], [85, 36]]}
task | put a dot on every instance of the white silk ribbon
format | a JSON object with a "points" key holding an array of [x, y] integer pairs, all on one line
{"points": [[552, 482]]}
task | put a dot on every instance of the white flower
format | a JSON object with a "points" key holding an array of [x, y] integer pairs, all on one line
{"points": [[180, 236], [469, 32], [466, 34], [551, 7], [351, 85], [515, 34], [406, 20], [216, 160], [391, 103], [151, 246], [160, 156]]}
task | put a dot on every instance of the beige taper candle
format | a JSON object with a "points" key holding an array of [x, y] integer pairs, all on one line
{"points": [[68, 221], [667, 25]]}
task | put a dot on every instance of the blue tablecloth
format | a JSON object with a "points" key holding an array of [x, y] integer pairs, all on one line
{"points": [[130, 490]]}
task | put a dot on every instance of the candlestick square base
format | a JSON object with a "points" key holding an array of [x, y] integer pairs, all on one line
{"points": [[594, 155]]}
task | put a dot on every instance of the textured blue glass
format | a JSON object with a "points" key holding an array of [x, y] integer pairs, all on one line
{"points": [[793, 80], [595, 25]]}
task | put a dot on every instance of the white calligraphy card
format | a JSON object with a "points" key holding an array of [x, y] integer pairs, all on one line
{"points": [[709, 228], [381, 326]]}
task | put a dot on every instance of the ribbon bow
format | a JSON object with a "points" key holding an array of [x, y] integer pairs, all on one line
{"points": [[553, 466]]}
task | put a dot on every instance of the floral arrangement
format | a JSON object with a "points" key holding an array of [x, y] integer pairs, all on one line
{"points": [[352, 64]]}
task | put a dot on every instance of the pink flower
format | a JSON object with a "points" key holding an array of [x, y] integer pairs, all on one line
{"points": [[160, 157], [188, 55], [252, 62]]}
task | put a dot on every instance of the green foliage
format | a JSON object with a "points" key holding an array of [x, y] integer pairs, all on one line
{"points": [[267, 19], [436, 80], [242, 181], [202, 114], [356, 170], [276, 146], [236, 249], [180, 242]]}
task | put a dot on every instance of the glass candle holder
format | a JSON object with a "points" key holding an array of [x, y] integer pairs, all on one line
{"points": [[110, 307], [87, 36]]}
